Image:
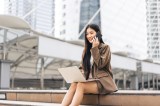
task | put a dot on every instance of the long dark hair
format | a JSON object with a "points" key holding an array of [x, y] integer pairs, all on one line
{"points": [[87, 54]]}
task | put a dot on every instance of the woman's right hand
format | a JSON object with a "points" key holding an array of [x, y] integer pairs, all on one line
{"points": [[95, 42]]}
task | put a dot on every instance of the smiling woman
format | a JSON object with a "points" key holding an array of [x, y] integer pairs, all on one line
{"points": [[1, 6], [95, 64]]}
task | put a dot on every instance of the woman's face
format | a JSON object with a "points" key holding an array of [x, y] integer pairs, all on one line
{"points": [[90, 34]]}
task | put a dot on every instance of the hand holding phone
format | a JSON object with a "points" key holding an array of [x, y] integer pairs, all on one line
{"points": [[95, 42], [99, 35]]}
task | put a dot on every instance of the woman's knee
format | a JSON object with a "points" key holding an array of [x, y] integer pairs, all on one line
{"points": [[80, 85], [73, 85]]}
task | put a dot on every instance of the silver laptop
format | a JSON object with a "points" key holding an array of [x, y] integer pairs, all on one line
{"points": [[73, 74]]}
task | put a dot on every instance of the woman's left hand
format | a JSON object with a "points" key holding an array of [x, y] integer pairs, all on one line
{"points": [[95, 42]]}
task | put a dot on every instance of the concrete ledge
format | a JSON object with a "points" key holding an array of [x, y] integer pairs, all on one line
{"points": [[120, 98], [24, 103]]}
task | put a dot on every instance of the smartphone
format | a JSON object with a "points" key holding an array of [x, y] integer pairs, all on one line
{"points": [[99, 35]]}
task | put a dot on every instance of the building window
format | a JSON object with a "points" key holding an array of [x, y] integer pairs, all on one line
{"points": [[64, 23], [154, 56], [64, 6], [64, 14], [63, 32]]}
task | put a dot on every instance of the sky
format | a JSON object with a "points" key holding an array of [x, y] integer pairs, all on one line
{"points": [[1, 6]]}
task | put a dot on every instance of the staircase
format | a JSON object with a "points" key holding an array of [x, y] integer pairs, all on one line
{"points": [[54, 98]]}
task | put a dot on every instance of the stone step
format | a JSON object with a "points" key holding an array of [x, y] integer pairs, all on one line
{"points": [[120, 98], [26, 103]]}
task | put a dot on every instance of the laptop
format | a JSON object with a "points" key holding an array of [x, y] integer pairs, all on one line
{"points": [[73, 74]]}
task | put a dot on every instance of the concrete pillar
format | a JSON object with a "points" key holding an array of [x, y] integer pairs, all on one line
{"points": [[157, 82], [5, 74], [42, 73], [4, 44], [134, 82], [142, 76], [124, 80], [117, 83], [63, 83], [13, 77], [148, 81], [153, 81]]}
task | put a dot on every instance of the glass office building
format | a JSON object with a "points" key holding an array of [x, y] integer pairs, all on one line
{"points": [[87, 9], [41, 14], [153, 28]]}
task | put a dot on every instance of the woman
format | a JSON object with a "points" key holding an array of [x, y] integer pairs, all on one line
{"points": [[100, 54]]}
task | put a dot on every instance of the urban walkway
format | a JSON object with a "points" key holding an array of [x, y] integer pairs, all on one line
{"points": [[54, 98]]}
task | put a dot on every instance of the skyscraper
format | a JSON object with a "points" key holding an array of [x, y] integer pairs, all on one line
{"points": [[67, 19], [153, 28], [74, 15], [41, 15], [88, 9], [122, 22]]}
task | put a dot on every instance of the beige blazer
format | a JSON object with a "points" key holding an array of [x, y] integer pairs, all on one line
{"points": [[101, 68], [101, 59]]}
